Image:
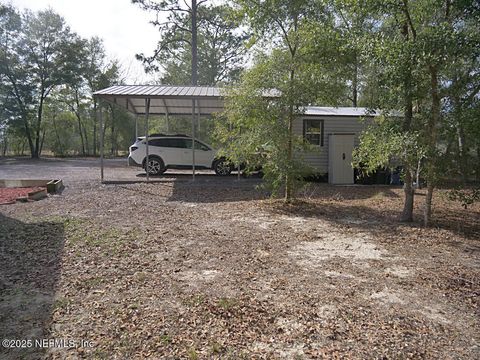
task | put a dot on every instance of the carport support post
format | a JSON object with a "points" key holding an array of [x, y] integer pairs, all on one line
{"points": [[193, 139], [147, 113], [102, 130], [238, 165], [136, 127]]}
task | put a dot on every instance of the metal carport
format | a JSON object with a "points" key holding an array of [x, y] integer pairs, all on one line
{"points": [[165, 100]]}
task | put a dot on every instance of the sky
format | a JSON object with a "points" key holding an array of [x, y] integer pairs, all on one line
{"points": [[124, 28]]}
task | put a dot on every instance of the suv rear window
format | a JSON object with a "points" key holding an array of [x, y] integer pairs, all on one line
{"points": [[169, 142]]}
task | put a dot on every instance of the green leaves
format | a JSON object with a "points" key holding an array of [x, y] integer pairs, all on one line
{"points": [[385, 144]]}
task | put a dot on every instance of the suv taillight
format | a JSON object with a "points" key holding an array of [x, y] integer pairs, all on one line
{"points": [[133, 148]]}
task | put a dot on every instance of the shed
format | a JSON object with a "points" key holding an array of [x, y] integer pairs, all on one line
{"points": [[334, 132]]}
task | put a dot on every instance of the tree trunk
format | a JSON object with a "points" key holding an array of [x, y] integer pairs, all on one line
{"points": [[419, 168], [27, 133], [60, 144], [5, 145], [36, 150], [81, 127], [41, 143], [409, 191], [85, 135], [355, 82], [431, 133], [462, 153], [194, 42], [81, 133], [288, 177]]}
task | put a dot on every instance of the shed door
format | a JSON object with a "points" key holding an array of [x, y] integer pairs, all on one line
{"points": [[340, 150]]}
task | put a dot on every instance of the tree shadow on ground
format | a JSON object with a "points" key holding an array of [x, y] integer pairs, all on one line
{"points": [[372, 219], [30, 262], [210, 189], [217, 189], [347, 192]]}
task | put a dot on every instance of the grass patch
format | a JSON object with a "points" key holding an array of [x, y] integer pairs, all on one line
{"points": [[110, 240], [166, 339], [227, 303], [61, 303], [196, 300], [216, 348], [93, 282], [379, 195], [192, 354]]}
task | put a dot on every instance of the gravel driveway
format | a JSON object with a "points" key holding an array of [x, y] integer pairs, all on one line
{"points": [[80, 169]]}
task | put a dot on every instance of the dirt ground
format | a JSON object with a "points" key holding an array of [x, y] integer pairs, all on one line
{"points": [[215, 270]]}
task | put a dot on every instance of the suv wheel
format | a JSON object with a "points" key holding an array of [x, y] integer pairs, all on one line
{"points": [[222, 167], [155, 166]]}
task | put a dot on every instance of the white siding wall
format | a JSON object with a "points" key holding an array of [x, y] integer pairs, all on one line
{"points": [[332, 124]]}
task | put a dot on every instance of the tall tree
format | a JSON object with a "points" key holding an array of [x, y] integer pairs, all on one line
{"points": [[215, 41], [284, 80], [174, 11], [42, 56], [415, 43], [15, 89], [96, 72]]}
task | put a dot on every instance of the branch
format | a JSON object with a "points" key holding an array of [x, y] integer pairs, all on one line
{"points": [[187, 5], [285, 34], [344, 19], [473, 94], [447, 9], [164, 46], [409, 19]]}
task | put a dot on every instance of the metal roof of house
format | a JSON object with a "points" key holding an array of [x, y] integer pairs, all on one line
{"points": [[339, 111]]}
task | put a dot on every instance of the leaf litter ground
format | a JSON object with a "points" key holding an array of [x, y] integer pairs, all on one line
{"points": [[215, 270]]}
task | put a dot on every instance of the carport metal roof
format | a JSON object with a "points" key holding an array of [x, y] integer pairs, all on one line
{"points": [[164, 99]]}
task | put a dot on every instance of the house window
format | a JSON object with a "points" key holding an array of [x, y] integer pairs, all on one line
{"points": [[313, 131]]}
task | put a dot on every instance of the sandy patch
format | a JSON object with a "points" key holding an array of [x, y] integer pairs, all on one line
{"points": [[337, 245], [387, 296]]}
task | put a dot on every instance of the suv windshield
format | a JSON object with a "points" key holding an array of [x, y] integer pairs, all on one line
{"points": [[198, 145]]}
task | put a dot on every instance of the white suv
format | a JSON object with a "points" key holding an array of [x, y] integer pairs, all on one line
{"points": [[175, 152]]}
